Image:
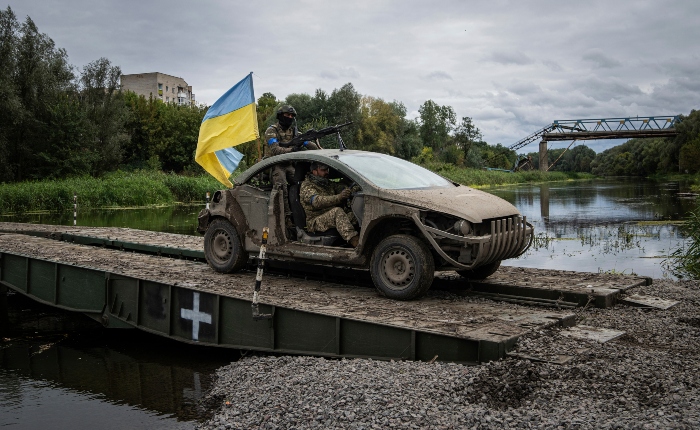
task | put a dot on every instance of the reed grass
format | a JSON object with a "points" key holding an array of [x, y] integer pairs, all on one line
{"points": [[684, 261], [485, 178], [118, 189]]}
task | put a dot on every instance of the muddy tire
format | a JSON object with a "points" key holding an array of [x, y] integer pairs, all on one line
{"points": [[481, 272], [402, 267], [222, 247]]}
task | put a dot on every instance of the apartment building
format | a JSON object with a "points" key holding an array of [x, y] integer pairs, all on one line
{"points": [[168, 88]]}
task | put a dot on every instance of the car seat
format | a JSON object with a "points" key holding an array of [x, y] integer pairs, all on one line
{"points": [[328, 237]]}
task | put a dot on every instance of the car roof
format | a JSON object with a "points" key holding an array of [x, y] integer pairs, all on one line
{"points": [[326, 156]]}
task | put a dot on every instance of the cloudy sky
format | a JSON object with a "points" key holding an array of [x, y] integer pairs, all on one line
{"points": [[513, 66]]}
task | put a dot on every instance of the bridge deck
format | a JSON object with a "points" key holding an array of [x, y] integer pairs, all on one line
{"points": [[573, 286], [187, 301]]}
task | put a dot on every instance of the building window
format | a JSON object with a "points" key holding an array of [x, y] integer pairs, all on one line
{"points": [[167, 100], [160, 89], [166, 88]]}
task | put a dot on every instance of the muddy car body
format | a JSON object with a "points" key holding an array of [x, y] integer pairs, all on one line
{"points": [[411, 222]]}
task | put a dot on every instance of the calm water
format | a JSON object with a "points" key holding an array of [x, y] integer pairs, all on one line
{"points": [[604, 225], [172, 219], [60, 370]]}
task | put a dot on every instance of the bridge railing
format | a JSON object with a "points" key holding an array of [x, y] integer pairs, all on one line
{"points": [[647, 123]]}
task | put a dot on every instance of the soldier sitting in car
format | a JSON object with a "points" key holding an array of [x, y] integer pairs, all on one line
{"points": [[325, 204]]}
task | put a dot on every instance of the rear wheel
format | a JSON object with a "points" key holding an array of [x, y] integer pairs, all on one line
{"points": [[402, 267], [481, 272], [222, 247]]}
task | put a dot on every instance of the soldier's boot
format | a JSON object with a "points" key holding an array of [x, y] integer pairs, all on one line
{"points": [[354, 241]]}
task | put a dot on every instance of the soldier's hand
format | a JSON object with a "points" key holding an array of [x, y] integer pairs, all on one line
{"points": [[345, 194]]}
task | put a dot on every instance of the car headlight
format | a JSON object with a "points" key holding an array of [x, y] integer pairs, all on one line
{"points": [[463, 227]]}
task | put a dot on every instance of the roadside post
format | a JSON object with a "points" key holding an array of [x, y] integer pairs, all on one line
{"points": [[75, 209], [258, 278]]}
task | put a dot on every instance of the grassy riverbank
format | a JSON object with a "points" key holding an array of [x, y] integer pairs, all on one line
{"points": [[146, 188], [484, 178], [119, 189]]}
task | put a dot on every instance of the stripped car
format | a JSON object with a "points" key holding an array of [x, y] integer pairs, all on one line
{"points": [[411, 222]]}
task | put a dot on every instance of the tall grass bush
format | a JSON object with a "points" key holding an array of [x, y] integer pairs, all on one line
{"points": [[684, 262], [482, 178], [118, 189]]}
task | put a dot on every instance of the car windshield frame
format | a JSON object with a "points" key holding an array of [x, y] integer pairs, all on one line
{"points": [[392, 173]]}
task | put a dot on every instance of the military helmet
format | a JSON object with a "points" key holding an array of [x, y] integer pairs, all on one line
{"points": [[286, 109]]}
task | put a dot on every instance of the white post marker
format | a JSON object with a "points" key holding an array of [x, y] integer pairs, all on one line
{"points": [[195, 316], [75, 209], [258, 278], [207, 200]]}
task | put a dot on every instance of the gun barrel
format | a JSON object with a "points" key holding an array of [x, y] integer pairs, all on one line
{"points": [[314, 134]]}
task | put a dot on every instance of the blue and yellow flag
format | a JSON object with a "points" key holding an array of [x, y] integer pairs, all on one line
{"points": [[230, 121]]}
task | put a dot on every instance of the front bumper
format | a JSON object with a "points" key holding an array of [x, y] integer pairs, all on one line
{"points": [[510, 237]]}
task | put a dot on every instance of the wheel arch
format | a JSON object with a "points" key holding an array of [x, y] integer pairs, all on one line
{"points": [[381, 228]]}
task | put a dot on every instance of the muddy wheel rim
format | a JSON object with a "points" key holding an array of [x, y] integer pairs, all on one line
{"points": [[398, 268], [221, 245]]}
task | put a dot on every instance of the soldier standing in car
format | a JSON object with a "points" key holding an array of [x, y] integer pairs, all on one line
{"points": [[323, 202], [282, 132]]}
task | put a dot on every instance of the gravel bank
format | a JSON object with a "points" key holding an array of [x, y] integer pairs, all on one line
{"points": [[648, 378]]}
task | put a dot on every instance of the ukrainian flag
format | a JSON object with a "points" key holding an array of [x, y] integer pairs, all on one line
{"points": [[230, 121]]}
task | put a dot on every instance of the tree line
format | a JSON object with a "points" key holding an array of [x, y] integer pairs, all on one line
{"points": [[58, 121]]}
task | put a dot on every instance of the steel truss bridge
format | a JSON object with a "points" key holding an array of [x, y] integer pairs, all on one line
{"points": [[604, 128]]}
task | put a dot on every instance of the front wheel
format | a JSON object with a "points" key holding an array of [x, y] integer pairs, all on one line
{"points": [[222, 247], [402, 267], [481, 272]]}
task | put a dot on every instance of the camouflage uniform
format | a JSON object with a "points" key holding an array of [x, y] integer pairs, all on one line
{"points": [[282, 174], [322, 203]]}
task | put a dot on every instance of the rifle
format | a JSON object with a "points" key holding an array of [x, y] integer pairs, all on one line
{"points": [[312, 135]]}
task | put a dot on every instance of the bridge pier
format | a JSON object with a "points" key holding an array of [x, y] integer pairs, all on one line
{"points": [[544, 163]]}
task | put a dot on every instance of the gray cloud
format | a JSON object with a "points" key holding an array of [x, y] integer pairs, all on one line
{"points": [[438, 75], [601, 60], [552, 65], [512, 68], [343, 72], [509, 58]]}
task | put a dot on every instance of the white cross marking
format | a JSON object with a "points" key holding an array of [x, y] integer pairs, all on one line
{"points": [[195, 315]]}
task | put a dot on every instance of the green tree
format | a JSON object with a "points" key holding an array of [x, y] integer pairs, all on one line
{"points": [[162, 135], [179, 135], [436, 123], [9, 100], [36, 77], [686, 142], [465, 135], [380, 126], [107, 113], [343, 105], [636, 157], [408, 143]]}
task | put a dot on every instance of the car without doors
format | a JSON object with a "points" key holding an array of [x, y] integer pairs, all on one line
{"points": [[411, 222]]}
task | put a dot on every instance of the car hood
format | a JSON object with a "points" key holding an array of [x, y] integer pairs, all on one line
{"points": [[464, 202]]}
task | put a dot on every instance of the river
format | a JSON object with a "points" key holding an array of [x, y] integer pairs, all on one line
{"points": [[61, 370]]}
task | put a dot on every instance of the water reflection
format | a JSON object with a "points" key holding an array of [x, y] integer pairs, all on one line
{"points": [[621, 225], [61, 370], [180, 219]]}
